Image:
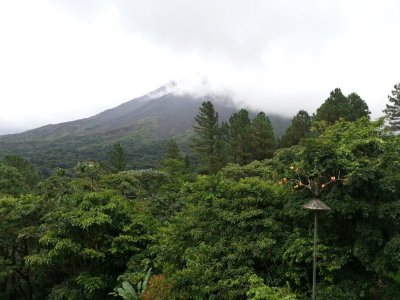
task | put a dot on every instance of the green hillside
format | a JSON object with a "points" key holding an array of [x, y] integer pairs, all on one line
{"points": [[142, 126]]}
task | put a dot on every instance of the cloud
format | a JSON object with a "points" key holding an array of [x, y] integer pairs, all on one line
{"points": [[278, 55], [64, 60], [240, 30]]}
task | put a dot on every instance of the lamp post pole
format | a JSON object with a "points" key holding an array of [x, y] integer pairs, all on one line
{"points": [[315, 205], [314, 277]]}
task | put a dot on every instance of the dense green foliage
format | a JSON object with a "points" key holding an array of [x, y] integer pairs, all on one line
{"points": [[66, 151], [238, 232], [17, 175], [260, 291]]}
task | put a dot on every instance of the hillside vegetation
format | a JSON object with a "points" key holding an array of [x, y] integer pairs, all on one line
{"points": [[142, 125]]}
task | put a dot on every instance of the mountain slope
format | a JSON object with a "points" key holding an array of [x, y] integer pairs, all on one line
{"points": [[141, 125]]}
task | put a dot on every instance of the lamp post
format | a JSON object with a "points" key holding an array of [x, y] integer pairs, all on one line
{"points": [[303, 180], [316, 205]]}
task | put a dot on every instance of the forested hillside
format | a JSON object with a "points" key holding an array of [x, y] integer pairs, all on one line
{"points": [[231, 226], [142, 125]]}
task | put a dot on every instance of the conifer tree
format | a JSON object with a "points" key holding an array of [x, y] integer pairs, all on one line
{"points": [[357, 107], [222, 144], [262, 136], [116, 158], [239, 145], [172, 150], [207, 131], [392, 111], [339, 106], [299, 128]]}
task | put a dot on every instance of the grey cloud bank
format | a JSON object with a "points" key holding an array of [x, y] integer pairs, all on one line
{"points": [[71, 59]]}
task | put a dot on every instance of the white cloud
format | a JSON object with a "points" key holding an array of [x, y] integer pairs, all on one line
{"points": [[62, 60]]}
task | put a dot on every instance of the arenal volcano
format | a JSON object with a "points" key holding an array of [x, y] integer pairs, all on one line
{"points": [[142, 125]]}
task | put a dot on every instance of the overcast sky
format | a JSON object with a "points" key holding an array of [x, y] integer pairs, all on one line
{"points": [[62, 60]]}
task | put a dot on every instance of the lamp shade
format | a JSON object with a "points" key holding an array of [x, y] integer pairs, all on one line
{"points": [[316, 204]]}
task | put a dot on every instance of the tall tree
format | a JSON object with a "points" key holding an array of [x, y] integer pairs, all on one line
{"points": [[299, 128], [116, 158], [239, 145], [206, 141], [339, 106], [222, 144], [172, 150], [392, 111], [262, 136]]}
